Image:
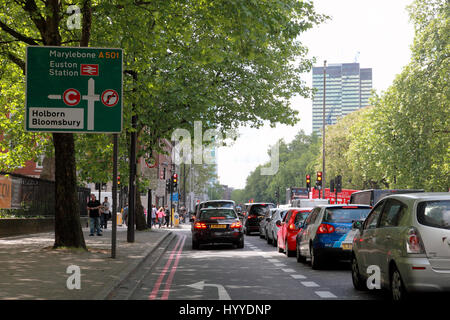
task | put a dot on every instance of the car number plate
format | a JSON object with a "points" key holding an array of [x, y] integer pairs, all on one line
{"points": [[218, 226], [346, 246]]}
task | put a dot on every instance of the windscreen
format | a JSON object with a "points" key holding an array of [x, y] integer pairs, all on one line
{"points": [[345, 215], [434, 214], [217, 214]]}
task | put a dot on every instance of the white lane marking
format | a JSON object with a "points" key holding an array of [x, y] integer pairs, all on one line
{"points": [[288, 270], [273, 260], [309, 284], [298, 276], [279, 265], [325, 294]]}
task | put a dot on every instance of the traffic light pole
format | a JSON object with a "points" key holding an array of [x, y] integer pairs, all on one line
{"points": [[323, 128]]}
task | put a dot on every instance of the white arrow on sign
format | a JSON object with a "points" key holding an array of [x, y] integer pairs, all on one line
{"points": [[223, 294], [91, 97]]}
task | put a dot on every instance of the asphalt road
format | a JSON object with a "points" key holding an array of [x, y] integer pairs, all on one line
{"points": [[256, 272]]}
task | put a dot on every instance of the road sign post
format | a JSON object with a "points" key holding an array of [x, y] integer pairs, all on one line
{"points": [[73, 89]]}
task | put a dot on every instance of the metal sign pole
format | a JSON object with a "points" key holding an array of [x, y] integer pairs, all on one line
{"points": [[114, 198]]}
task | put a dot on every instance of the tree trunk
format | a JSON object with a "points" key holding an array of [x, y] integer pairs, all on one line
{"points": [[68, 232], [141, 223]]}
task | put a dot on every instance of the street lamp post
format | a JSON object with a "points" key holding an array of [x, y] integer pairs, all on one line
{"points": [[323, 129]]}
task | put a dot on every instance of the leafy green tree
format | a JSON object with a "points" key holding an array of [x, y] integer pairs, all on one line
{"points": [[220, 62]]}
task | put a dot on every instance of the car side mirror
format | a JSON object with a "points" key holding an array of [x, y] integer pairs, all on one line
{"points": [[278, 223], [357, 225]]}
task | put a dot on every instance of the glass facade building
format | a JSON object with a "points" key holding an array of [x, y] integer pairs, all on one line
{"points": [[348, 88]]}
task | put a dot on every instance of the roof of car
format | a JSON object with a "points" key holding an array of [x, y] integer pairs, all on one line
{"points": [[422, 196], [217, 208], [217, 201], [259, 203], [343, 205], [301, 208]]}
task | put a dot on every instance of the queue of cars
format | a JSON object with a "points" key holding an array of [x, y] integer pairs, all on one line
{"points": [[404, 236]]}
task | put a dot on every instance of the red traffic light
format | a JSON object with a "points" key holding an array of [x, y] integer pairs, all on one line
{"points": [[308, 178], [319, 175]]}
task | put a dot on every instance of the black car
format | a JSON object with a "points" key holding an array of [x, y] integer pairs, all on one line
{"points": [[255, 212], [217, 225]]}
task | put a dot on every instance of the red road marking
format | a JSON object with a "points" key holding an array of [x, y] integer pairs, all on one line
{"points": [[163, 273], [172, 273]]}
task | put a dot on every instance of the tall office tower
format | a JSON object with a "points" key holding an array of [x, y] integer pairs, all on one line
{"points": [[348, 88]]}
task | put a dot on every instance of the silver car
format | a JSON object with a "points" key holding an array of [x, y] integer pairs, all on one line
{"points": [[272, 228], [407, 238], [264, 222]]}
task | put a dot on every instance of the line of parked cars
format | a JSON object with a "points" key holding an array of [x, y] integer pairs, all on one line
{"points": [[397, 240]]}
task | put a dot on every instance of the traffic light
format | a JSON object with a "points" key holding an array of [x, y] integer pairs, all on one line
{"points": [[319, 178], [339, 184], [174, 181], [168, 185], [308, 181], [118, 180], [332, 185]]}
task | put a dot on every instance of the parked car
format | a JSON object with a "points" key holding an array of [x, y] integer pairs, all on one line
{"points": [[324, 231], [217, 225], [288, 229], [272, 228], [253, 216], [263, 224], [408, 237], [372, 196]]}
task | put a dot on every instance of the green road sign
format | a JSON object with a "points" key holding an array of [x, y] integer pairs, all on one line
{"points": [[73, 89]]}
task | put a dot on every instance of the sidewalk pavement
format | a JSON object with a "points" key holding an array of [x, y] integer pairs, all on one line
{"points": [[30, 269]]}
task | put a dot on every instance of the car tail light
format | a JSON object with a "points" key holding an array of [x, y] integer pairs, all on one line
{"points": [[292, 227], [252, 217], [236, 225], [414, 242], [199, 225], [325, 228]]}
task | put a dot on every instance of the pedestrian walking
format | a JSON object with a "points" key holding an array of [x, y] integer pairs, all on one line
{"points": [[168, 216], [93, 208], [125, 214], [105, 213], [153, 215], [160, 216]]}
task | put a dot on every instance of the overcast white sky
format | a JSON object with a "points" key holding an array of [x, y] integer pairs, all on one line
{"points": [[380, 30]]}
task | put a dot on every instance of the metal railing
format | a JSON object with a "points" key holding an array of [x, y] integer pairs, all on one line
{"points": [[36, 197]]}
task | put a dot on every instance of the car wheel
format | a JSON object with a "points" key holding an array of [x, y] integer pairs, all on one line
{"points": [[289, 253], [240, 244], [269, 241], [261, 235], [398, 292], [357, 278], [315, 260], [278, 246], [195, 245], [300, 258], [247, 232]]}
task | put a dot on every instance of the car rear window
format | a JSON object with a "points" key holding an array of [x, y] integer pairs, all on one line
{"points": [[217, 214], [434, 214], [345, 215], [218, 204], [258, 210]]}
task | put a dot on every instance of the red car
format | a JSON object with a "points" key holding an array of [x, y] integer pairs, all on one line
{"points": [[288, 229]]}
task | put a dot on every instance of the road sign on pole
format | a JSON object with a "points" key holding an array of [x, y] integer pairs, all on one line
{"points": [[73, 89]]}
